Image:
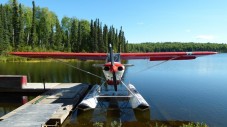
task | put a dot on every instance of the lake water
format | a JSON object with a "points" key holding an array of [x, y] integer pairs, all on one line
{"points": [[190, 90]]}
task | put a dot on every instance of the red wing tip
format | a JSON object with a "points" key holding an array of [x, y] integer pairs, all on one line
{"points": [[213, 53], [205, 53]]}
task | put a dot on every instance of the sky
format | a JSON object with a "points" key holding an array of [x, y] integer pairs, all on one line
{"points": [[150, 20]]}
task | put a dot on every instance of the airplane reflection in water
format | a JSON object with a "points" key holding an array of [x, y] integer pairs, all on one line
{"points": [[108, 116], [117, 117]]}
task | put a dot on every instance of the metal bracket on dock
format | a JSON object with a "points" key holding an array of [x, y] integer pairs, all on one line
{"points": [[55, 125]]}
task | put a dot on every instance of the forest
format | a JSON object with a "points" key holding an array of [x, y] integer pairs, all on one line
{"points": [[39, 29]]}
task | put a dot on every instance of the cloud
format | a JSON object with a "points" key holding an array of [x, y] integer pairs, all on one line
{"points": [[205, 37]]}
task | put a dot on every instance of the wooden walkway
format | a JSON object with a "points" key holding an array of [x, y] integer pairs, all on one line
{"points": [[31, 115], [50, 108]]}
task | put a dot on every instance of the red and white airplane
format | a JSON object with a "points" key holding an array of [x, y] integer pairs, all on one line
{"points": [[113, 69]]}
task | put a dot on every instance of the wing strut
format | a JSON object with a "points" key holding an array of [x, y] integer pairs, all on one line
{"points": [[79, 69]]}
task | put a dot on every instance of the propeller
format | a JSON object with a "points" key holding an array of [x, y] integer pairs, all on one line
{"points": [[112, 66]]}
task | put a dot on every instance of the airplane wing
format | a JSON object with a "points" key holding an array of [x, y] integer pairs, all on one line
{"points": [[62, 55], [160, 56], [153, 56]]}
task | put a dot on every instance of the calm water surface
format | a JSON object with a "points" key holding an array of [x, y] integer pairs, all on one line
{"points": [[192, 90]]}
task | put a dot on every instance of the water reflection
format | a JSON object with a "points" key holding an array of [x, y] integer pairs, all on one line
{"points": [[126, 117], [11, 101], [108, 117], [53, 71]]}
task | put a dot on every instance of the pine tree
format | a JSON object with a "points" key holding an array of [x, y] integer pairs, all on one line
{"points": [[21, 27], [58, 36], [4, 39], [111, 38], [92, 38], [100, 38], [67, 46], [116, 42], [8, 23], [105, 38], [95, 36], [121, 41], [73, 36], [33, 37], [79, 38], [16, 24]]}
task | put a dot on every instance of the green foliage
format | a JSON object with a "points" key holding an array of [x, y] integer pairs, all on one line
{"points": [[73, 36], [4, 39], [38, 29], [58, 36], [16, 25], [32, 38]]}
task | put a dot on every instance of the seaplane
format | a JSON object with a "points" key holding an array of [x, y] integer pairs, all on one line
{"points": [[108, 91]]}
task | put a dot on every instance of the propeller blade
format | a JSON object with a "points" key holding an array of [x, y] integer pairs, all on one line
{"points": [[112, 64], [115, 81], [111, 55]]}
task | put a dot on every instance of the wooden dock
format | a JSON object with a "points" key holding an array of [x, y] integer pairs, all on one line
{"points": [[50, 108]]}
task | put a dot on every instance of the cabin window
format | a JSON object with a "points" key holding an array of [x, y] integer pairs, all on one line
{"points": [[116, 57]]}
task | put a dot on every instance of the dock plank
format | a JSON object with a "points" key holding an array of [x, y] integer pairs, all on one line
{"points": [[33, 115], [54, 106]]}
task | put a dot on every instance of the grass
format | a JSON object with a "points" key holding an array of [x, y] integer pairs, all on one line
{"points": [[195, 125], [10, 58], [119, 124]]}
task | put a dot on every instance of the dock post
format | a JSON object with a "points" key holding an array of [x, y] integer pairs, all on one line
{"points": [[44, 86]]}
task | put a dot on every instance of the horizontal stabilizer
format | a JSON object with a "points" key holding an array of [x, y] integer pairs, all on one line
{"points": [[128, 65]]}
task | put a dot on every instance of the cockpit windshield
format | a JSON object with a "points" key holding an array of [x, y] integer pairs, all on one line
{"points": [[116, 57]]}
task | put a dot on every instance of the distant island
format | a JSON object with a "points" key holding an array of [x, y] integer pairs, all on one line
{"points": [[176, 47], [38, 29]]}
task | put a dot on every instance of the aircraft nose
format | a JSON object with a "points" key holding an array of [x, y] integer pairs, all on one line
{"points": [[111, 68], [114, 69]]}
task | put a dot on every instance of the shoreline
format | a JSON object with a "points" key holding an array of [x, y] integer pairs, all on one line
{"points": [[30, 60], [34, 60]]}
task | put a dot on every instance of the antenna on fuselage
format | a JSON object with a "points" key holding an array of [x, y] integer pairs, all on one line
{"points": [[112, 67]]}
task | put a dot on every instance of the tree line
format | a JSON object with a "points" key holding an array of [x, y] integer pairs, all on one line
{"points": [[38, 29], [176, 46]]}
